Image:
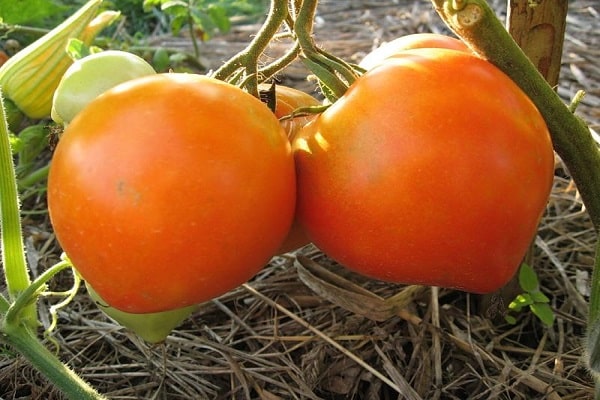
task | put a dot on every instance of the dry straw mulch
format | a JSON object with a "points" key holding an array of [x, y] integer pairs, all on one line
{"points": [[282, 337]]}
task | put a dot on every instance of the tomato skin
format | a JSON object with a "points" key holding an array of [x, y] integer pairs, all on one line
{"points": [[287, 101], [169, 190], [434, 168], [410, 42]]}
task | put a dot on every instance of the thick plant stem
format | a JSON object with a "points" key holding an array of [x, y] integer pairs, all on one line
{"points": [[12, 253], [74, 387], [476, 23], [248, 58], [328, 69], [18, 318]]}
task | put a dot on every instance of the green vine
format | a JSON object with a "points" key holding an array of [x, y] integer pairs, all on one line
{"points": [[18, 313]]}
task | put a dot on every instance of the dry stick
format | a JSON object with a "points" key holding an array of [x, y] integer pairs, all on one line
{"points": [[527, 379], [437, 347], [474, 349], [488, 358], [327, 339], [540, 32]]}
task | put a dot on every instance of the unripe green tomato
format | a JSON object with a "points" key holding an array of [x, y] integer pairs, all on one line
{"points": [[91, 76], [152, 327]]}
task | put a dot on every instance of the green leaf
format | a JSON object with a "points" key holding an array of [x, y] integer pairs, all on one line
{"points": [[28, 11], [175, 5], [522, 300], [16, 144], [149, 4], [510, 319], [219, 17], [177, 23], [76, 49], [528, 278], [543, 312], [34, 140], [539, 297]]}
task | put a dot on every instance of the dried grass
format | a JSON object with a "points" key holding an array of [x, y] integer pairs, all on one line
{"points": [[281, 337]]}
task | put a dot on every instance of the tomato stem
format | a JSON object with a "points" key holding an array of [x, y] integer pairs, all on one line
{"points": [[248, 58], [13, 257], [23, 340], [270, 70], [334, 74], [30, 294]]}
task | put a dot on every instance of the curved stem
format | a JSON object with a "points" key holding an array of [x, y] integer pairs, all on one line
{"points": [[334, 74], [34, 177], [303, 26], [29, 30], [248, 58], [23, 340], [29, 295], [268, 71]]}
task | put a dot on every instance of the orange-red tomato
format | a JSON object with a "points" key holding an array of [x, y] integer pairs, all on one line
{"points": [[408, 42], [289, 100], [3, 57], [434, 168], [171, 189]]}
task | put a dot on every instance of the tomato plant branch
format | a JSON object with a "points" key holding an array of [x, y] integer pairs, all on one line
{"points": [[334, 74], [34, 177], [23, 340], [29, 30], [268, 71], [13, 256], [476, 23], [248, 58], [19, 319], [30, 294]]}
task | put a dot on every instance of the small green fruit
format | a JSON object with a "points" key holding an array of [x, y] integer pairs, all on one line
{"points": [[90, 76], [152, 327]]}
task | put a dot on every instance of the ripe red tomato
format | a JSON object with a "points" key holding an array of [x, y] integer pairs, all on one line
{"points": [[171, 189], [289, 100], [434, 168], [408, 42]]}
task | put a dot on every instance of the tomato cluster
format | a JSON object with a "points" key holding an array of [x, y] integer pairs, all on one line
{"points": [[434, 168]]}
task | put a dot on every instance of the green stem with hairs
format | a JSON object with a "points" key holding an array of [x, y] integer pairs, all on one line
{"points": [[22, 339], [18, 313], [334, 74], [248, 58], [16, 272]]}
